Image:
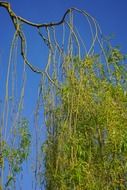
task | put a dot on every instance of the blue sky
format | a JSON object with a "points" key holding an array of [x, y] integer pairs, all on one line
{"points": [[111, 15]]}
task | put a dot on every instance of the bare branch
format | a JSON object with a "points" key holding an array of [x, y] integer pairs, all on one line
{"points": [[7, 6], [18, 20], [15, 20]]}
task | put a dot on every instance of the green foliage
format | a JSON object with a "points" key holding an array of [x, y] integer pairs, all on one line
{"points": [[86, 146], [115, 56], [16, 156]]}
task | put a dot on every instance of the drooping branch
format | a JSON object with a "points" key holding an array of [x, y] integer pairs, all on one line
{"points": [[18, 20], [13, 16]]}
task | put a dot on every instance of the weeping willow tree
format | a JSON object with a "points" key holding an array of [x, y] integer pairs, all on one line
{"points": [[83, 94]]}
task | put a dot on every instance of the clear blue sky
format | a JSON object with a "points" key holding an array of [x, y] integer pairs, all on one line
{"points": [[111, 15]]}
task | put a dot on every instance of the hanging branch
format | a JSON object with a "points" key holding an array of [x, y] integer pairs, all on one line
{"points": [[18, 20], [13, 16]]}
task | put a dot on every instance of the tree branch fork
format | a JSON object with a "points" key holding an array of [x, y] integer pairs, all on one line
{"points": [[17, 20]]}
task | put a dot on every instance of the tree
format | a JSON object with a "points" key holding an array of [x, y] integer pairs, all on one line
{"points": [[83, 92], [86, 146]]}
